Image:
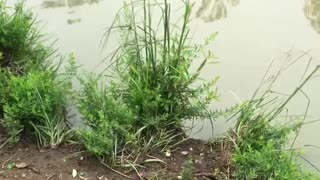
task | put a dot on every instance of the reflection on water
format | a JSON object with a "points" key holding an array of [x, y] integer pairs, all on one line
{"points": [[66, 3], [312, 12], [213, 10], [73, 21]]}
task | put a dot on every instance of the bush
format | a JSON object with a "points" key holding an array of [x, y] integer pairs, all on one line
{"points": [[36, 103], [109, 120], [20, 42], [261, 139], [32, 98], [268, 162], [260, 148]]}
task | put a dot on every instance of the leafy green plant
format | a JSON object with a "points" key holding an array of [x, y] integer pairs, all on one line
{"points": [[21, 44], [36, 104], [187, 170], [109, 120], [33, 94], [261, 140], [11, 166]]}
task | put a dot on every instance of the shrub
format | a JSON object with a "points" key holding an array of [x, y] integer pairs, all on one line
{"points": [[20, 41], [260, 148], [33, 98], [36, 103], [109, 120], [261, 139]]}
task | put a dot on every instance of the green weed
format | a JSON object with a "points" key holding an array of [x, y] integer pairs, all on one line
{"points": [[21, 44], [261, 139], [36, 103], [33, 95], [109, 121], [187, 170]]}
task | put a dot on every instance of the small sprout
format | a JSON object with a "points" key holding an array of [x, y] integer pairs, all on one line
{"points": [[10, 166]]}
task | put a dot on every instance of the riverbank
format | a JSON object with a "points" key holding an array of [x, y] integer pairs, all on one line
{"points": [[27, 161]]}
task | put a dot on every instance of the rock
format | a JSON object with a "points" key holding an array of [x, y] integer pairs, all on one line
{"points": [[22, 165], [74, 173], [184, 153], [168, 154]]}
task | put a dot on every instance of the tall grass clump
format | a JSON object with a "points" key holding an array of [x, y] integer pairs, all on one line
{"points": [[261, 136], [150, 81], [152, 66], [33, 95]]}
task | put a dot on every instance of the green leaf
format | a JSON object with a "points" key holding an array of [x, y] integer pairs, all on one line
{"points": [[10, 166]]}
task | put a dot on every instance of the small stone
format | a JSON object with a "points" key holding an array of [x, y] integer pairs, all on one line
{"points": [[81, 158], [184, 153], [179, 177], [168, 154], [201, 154], [74, 173], [24, 175], [21, 165], [141, 174], [191, 149]]}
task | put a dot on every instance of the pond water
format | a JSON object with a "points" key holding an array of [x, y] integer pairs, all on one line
{"points": [[251, 34]]}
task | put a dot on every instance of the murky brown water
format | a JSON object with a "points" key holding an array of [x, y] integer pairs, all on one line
{"points": [[251, 34]]}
